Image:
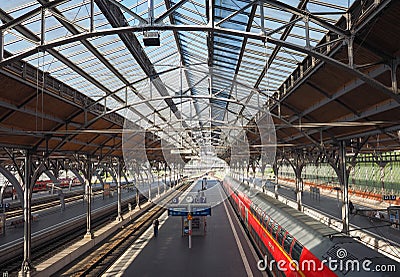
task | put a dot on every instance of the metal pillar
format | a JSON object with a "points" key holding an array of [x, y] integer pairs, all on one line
{"points": [[149, 183], [393, 71], [91, 15], [89, 234], [382, 166], [298, 192], [276, 172], [137, 200], [350, 50], [345, 187], [151, 11], [119, 216], [165, 178], [1, 45], [43, 27], [26, 264], [170, 176], [158, 181]]}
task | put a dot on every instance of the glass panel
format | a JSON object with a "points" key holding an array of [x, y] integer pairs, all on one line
{"points": [[275, 230], [296, 251], [287, 243], [281, 235]]}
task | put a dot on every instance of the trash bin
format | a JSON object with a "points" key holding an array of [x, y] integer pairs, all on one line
{"points": [[393, 214]]}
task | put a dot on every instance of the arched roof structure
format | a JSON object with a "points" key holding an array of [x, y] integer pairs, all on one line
{"points": [[73, 71]]}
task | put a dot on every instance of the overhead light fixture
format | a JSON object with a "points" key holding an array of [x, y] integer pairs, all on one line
{"points": [[151, 38]]}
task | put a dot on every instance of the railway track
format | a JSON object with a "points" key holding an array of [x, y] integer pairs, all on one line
{"points": [[100, 259], [60, 238], [39, 205]]}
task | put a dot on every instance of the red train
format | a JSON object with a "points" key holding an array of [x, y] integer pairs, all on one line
{"points": [[294, 244], [47, 184], [43, 185]]}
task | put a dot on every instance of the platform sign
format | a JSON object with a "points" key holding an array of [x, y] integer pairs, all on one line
{"points": [[189, 199], [178, 212], [183, 210], [389, 197], [5, 205], [175, 200], [201, 211]]}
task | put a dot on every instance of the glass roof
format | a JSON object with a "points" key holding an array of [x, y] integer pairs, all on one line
{"points": [[171, 83]]}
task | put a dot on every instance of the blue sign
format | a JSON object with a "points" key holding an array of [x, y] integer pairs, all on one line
{"points": [[183, 211], [201, 211], [5, 205], [175, 212], [389, 197]]}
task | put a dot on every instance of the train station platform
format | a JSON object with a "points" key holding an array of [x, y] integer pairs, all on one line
{"points": [[223, 251], [53, 216], [330, 204]]}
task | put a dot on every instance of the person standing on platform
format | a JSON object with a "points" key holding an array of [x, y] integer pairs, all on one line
{"points": [[155, 225], [351, 207]]}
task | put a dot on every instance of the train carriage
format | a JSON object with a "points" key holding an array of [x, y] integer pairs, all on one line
{"points": [[293, 244]]}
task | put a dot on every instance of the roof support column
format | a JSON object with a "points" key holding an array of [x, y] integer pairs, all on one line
{"points": [[262, 17], [165, 177], [297, 164], [1, 46], [135, 182], [119, 216], [262, 168], [148, 183], [393, 71], [275, 168], [158, 178], [299, 188], [151, 11], [349, 41], [91, 16], [307, 29], [43, 27], [26, 264], [344, 180], [89, 170], [170, 176]]}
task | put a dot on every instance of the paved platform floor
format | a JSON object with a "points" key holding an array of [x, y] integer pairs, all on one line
{"points": [[223, 251]]}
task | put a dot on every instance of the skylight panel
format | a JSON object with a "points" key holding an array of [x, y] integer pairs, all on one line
{"points": [[17, 8]]}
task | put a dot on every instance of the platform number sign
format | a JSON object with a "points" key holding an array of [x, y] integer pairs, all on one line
{"points": [[5, 205], [175, 200], [389, 197]]}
